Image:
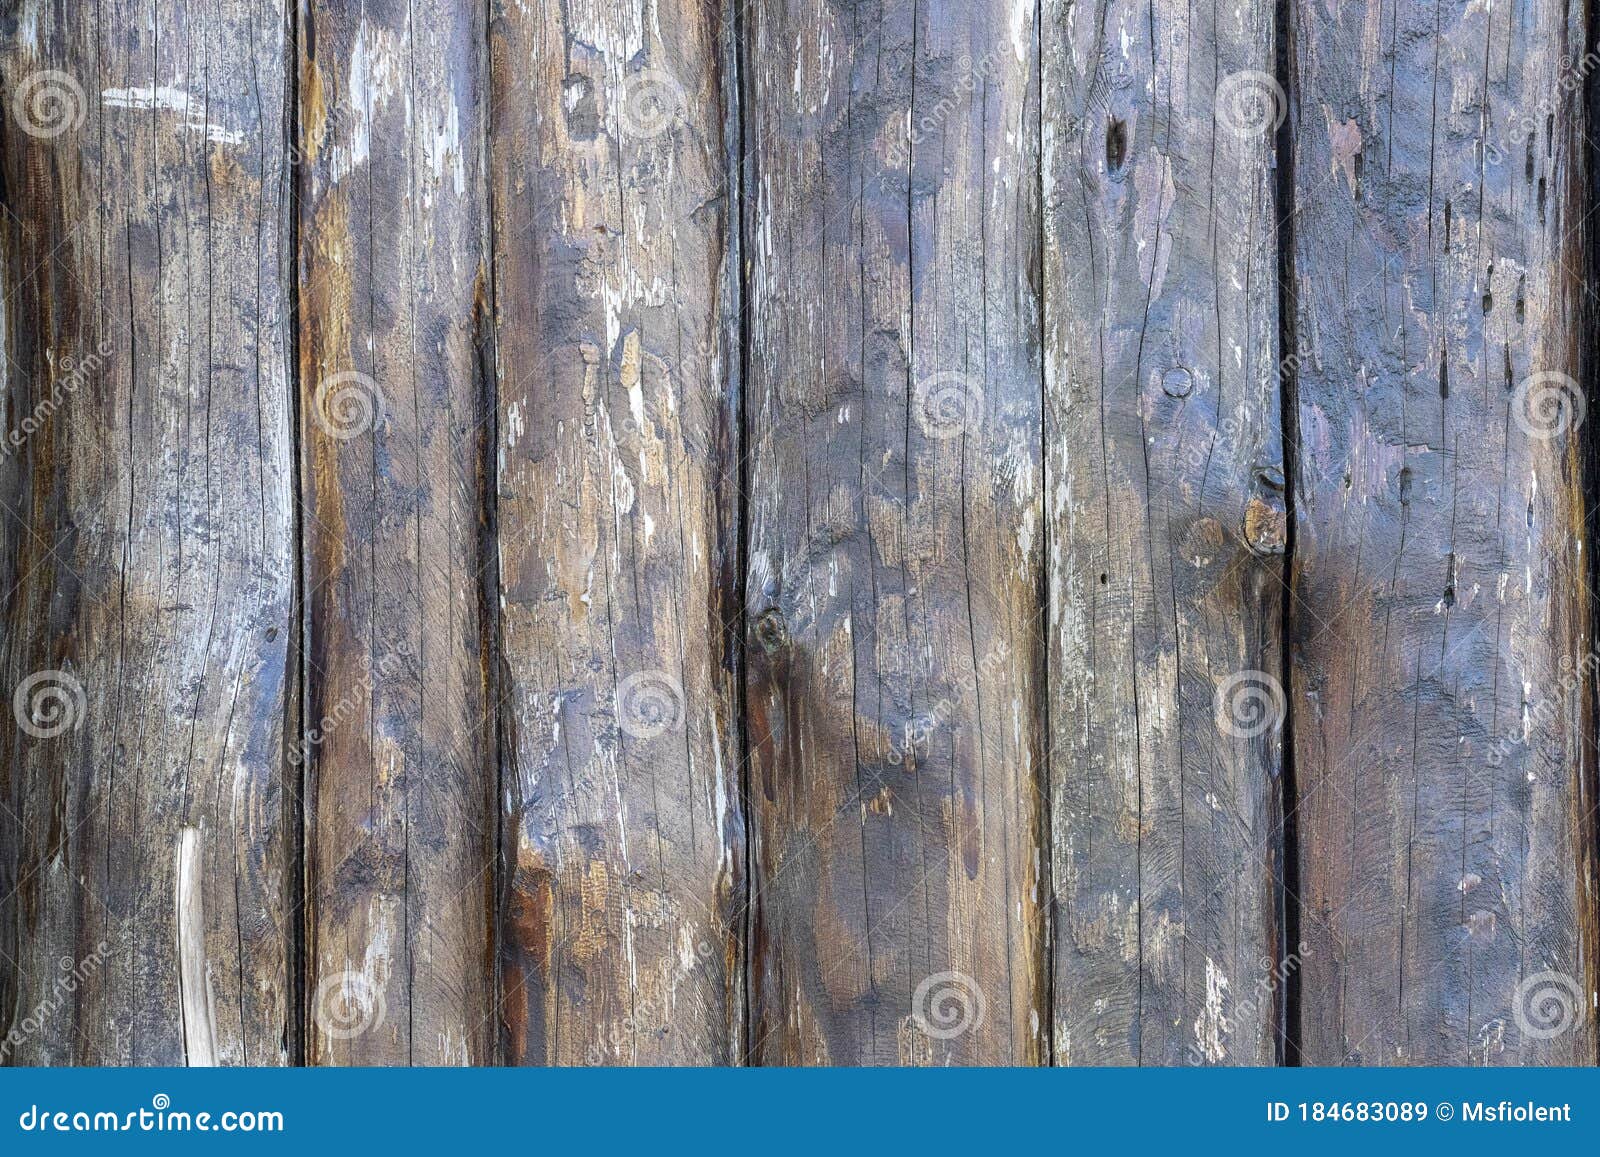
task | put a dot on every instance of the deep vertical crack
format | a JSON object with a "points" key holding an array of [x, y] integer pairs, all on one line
{"points": [[1288, 877], [294, 770], [492, 655], [1045, 827], [735, 622]]}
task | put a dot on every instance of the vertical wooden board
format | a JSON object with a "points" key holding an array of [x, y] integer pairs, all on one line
{"points": [[13, 240], [400, 816], [148, 496], [1165, 517], [895, 537], [1441, 631], [614, 298]]}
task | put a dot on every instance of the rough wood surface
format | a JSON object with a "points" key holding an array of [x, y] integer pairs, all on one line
{"points": [[622, 832], [1441, 625], [755, 531], [1165, 520], [400, 775], [892, 591], [147, 499]]}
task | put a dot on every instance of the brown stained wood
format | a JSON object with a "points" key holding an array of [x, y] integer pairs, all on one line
{"points": [[147, 499], [1441, 630], [1165, 520], [843, 435], [895, 537], [614, 296], [400, 819]]}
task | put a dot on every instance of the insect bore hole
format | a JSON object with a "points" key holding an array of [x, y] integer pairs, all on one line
{"points": [[1116, 146]]}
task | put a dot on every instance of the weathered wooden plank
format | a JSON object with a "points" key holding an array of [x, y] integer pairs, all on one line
{"points": [[148, 498], [893, 585], [400, 814], [1165, 517], [1440, 625], [614, 297]]}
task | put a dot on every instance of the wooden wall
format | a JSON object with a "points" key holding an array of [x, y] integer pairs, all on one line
{"points": [[796, 532]]}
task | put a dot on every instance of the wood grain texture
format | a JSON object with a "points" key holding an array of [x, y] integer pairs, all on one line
{"points": [[1165, 519], [792, 532], [147, 495], [614, 295], [400, 814], [892, 607], [1441, 630]]}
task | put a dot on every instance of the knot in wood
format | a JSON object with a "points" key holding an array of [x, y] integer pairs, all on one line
{"points": [[771, 631], [1266, 526]]}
